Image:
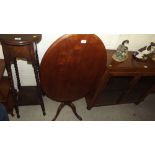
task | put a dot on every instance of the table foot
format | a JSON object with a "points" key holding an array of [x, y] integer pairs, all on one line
{"points": [[89, 108], [71, 105], [58, 111], [74, 111], [17, 111]]}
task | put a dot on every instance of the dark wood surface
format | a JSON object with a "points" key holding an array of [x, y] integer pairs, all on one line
{"points": [[2, 67], [25, 38], [130, 66], [22, 46], [6, 97], [139, 78], [4, 89], [28, 95], [70, 69]]}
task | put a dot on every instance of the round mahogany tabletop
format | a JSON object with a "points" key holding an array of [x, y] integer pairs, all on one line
{"points": [[72, 66], [20, 39]]}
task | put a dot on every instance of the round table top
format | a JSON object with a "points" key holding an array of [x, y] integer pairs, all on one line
{"points": [[20, 39], [72, 66]]}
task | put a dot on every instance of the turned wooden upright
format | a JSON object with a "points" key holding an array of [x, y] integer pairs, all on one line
{"points": [[71, 68]]}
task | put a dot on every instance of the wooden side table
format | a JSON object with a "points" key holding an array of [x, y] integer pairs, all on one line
{"points": [[140, 77], [23, 47]]}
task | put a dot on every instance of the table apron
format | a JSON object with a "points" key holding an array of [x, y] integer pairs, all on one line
{"points": [[132, 73]]}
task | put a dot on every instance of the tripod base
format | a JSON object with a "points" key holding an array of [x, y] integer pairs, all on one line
{"points": [[71, 105]]}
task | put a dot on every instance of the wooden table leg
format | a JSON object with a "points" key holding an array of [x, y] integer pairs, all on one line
{"points": [[101, 85], [71, 105], [74, 110], [36, 72], [132, 84], [58, 111], [12, 89], [145, 94]]}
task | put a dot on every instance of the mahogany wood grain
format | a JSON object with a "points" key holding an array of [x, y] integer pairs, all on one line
{"points": [[22, 46], [25, 38], [2, 67], [71, 69], [129, 68], [6, 97]]}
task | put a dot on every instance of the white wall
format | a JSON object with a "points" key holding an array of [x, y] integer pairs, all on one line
{"points": [[136, 40], [111, 42]]}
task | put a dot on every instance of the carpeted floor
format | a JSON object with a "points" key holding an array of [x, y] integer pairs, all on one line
{"points": [[124, 112]]}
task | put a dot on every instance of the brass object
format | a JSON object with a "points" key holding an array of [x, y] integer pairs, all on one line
{"points": [[145, 66]]}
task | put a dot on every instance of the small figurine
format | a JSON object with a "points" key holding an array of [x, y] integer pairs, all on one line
{"points": [[122, 52], [152, 48], [144, 52]]}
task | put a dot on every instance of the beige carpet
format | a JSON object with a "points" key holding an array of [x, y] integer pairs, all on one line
{"points": [[123, 112]]}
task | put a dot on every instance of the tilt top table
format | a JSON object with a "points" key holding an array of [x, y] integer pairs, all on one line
{"points": [[71, 67]]}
